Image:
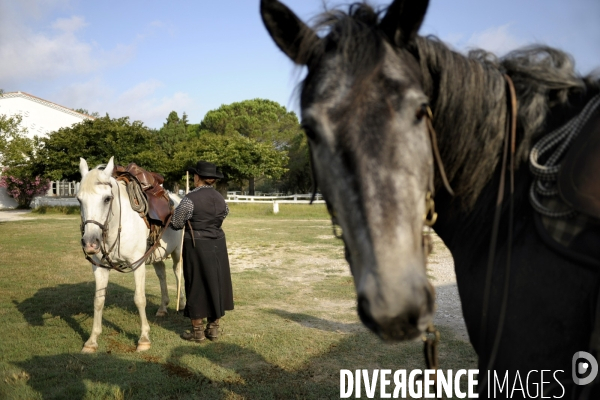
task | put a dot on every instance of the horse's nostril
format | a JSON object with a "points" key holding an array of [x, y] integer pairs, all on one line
{"points": [[364, 312]]}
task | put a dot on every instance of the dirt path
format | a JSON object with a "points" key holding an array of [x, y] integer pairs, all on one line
{"points": [[441, 268], [14, 215]]}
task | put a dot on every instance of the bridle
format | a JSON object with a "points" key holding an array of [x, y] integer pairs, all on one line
{"points": [[104, 229], [106, 261], [431, 337]]}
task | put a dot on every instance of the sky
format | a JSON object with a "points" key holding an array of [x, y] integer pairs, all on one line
{"points": [[144, 59]]}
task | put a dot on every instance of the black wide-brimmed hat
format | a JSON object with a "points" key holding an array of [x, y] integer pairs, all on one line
{"points": [[206, 170]]}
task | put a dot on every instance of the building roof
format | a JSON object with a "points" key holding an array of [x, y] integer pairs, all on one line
{"points": [[8, 95], [38, 116]]}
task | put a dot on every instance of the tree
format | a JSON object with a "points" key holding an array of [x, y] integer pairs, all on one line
{"points": [[16, 149], [94, 114], [298, 177], [262, 120], [95, 140], [238, 157], [173, 132]]}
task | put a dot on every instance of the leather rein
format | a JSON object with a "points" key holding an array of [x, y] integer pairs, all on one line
{"points": [[431, 336], [106, 261]]}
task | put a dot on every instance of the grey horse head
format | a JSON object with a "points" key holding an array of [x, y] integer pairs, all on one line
{"points": [[363, 111]]}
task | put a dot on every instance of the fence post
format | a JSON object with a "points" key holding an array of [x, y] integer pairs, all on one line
{"points": [[275, 207]]}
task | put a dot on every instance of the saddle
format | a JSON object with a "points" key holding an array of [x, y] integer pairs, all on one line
{"points": [[159, 203], [579, 176], [578, 183]]}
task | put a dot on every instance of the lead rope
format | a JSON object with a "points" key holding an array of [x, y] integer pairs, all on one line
{"points": [[431, 336], [509, 143]]}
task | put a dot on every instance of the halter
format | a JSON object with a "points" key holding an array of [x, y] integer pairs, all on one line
{"points": [[110, 264]]}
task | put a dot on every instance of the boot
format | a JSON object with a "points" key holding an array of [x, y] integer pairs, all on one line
{"points": [[196, 334], [212, 329]]}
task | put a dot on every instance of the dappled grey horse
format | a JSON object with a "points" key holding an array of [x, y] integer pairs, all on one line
{"points": [[366, 105]]}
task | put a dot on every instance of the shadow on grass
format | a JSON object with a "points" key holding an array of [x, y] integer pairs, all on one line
{"points": [[74, 303], [322, 324], [242, 372]]}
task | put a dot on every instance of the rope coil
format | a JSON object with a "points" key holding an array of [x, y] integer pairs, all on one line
{"points": [[546, 173], [137, 198]]}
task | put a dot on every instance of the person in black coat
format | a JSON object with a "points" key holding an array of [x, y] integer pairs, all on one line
{"points": [[208, 288]]}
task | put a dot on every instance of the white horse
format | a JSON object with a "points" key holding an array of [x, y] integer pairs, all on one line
{"points": [[106, 209]]}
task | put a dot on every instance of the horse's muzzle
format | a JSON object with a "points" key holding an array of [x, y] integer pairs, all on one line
{"points": [[90, 248], [406, 323]]}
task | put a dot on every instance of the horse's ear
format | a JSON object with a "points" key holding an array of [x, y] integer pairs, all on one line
{"points": [[403, 19], [83, 167], [290, 34], [109, 167]]}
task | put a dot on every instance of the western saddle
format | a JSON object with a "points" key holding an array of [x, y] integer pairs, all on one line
{"points": [[159, 207]]}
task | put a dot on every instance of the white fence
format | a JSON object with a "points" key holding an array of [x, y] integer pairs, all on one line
{"points": [[54, 202], [275, 200], [63, 192]]}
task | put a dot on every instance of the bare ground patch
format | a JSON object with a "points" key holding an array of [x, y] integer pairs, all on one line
{"points": [[305, 265]]}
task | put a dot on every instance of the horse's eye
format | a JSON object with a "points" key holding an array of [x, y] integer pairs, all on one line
{"points": [[107, 199], [422, 111], [310, 133]]}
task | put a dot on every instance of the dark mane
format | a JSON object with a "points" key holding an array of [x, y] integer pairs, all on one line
{"points": [[353, 34], [465, 91], [469, 92]]}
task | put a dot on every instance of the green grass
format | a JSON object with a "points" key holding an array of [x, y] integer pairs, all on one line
{"points": [[293, 328], [286, 211]]}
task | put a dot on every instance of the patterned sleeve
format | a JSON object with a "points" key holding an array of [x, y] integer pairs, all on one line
{"points": [[182, 213], [226, 211]]}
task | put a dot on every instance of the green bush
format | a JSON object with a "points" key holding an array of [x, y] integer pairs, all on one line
{"points": [[65, 210]]}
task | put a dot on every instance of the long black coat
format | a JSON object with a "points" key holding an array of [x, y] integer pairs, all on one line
{"points": [[208, 287]]}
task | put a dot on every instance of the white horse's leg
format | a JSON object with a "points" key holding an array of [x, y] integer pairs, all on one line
{"points": [[159, 268], [140, 301], [101, 275], [176, 256]]}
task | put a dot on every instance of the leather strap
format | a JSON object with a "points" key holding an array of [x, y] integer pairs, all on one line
{"points": [[509, 143], [436, 151]]}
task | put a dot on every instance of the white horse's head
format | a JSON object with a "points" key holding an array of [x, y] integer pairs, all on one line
{"points": [[95, 198]]}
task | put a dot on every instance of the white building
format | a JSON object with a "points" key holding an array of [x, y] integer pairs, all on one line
{"points": [[39, 117]]}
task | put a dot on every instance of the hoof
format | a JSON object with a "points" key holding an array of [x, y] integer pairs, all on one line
{"points": [[143, 346], [89, 349], [161, 313]]}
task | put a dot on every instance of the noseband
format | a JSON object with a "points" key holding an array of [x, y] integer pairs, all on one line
{"points": [[104, 228]]}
